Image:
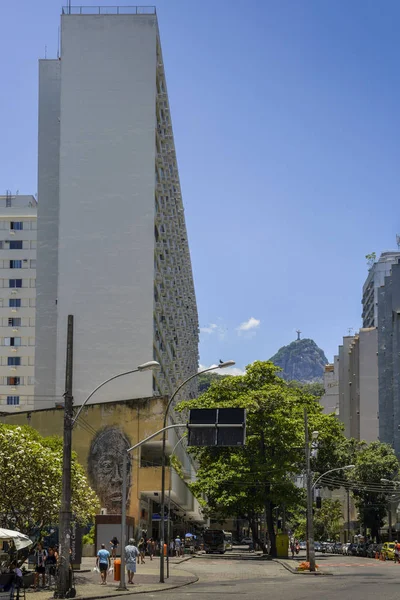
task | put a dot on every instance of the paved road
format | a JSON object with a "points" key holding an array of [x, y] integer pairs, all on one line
{"points": [[222, 578]]}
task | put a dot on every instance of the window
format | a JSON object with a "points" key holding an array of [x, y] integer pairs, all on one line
{"points": [[14, 302], [13, 380], [15, 264], [16, 245], [14, 361], [15, 283], [14, 322], [12, 400], [1, 244], [12, 341], [16, 225]]}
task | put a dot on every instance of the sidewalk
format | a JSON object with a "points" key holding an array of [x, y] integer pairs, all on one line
{"points": [[146, 580]]}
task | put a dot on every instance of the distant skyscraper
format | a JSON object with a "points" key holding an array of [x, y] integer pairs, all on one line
{"points": [[17, 300], [112, 242], [389, 359], [375, 279]]}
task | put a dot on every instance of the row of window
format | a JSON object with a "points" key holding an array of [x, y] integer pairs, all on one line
{"points": [[12, 400], [17, 322], [18, 264], [17, 341], [18, 380], [18, 283], [18, 225], [17, 245]]}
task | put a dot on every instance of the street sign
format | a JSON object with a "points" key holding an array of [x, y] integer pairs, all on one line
{"points": [[217, 427]]}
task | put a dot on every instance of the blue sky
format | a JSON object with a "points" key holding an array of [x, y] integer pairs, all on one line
{"points": [[286, 125]]}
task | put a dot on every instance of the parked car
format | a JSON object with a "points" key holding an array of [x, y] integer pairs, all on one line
{"points": [[361, 550], [317, 546], [352, 550], [337, 548], [388, 550], [345, 548], [372, 550], [303, 546], [246, 540]]}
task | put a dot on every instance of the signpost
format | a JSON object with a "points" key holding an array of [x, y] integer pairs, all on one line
{"points": [[217, 427]]}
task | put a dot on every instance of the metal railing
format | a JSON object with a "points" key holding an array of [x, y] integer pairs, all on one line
{"points": [[108, 10]]}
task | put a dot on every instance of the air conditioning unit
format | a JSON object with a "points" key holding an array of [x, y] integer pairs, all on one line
{"points": [[103, 511]]}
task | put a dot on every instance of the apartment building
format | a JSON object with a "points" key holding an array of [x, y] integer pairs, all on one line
{"points": [[112, 242], [17, 301], [375, 279]]}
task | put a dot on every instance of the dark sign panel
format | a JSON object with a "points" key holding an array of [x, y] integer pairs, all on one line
{"points": [[217, 427]]}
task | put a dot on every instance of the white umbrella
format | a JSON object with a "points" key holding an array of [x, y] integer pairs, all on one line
{"points": [[20, 539]]}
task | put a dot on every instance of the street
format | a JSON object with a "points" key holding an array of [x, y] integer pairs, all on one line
{"points": [[351, 577]]}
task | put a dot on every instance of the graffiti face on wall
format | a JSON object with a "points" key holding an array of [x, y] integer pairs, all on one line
{"points": [[105, 467]]}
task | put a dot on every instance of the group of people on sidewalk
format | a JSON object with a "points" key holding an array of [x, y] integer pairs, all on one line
{"points": [[133, 554]]}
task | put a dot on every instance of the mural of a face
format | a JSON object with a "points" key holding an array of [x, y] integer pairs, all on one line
{"points": [[105, 467]]}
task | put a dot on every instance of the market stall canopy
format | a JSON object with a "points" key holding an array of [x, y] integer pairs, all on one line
{"points": [[20, 540]]}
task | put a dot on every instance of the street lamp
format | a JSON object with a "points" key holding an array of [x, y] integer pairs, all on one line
{"points": [[169, 499], [151, 365], [221, 365], [69, 422], [331, 471]]}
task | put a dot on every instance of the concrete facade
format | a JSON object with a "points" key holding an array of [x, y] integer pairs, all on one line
{"points": [[330, 400], [389, 352], [376, 277], [112, 231], [351, 385], [18, 216]]}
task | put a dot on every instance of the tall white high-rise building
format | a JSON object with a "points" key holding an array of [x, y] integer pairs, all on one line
{"points": [[376, 278], [112, 242], [17, 300]]}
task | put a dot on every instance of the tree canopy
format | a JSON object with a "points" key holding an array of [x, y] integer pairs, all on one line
{"points": [[261, 475], [30, 481]]}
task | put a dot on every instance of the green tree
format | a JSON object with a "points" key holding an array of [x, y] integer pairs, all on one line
{"points": [[371, 258], [315, 389], [30, 481], [373, 462], [328, 520], [260, 476]]}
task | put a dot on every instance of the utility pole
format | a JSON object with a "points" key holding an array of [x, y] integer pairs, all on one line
{"points": [[348, 515], [390, 521], [310, 524], [63, 582]]}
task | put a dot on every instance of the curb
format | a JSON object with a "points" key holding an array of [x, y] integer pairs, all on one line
{"points": [[139, 591], [296, 572]]}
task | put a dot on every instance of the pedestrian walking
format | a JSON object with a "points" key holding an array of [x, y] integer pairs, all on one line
{"points": [[131, 553], [150, 548], [114, 545], [177, 546], [142, 550], [40, 565], [103, 562], [172, 548], [396, 552], [51, 566], [292, 548]]}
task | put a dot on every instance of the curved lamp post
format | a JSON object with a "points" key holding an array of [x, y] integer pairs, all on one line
{"points": [[151, 365], [331, 471], [222, 365]]}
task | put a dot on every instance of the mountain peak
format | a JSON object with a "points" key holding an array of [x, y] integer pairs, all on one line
{"points": [[301, 360]]}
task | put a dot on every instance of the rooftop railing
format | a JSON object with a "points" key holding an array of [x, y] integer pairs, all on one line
{"points": [[108, 10]]}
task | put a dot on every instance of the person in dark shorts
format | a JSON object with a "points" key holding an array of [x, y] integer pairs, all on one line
{"points": [[104, 563], [40, 565], [114, 545]]}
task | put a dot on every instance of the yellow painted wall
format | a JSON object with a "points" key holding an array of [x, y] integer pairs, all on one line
{"points": [[136, 419]]}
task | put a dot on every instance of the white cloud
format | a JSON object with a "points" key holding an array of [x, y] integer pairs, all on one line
{"points": [[249, 326], [210, 329], [227, 371]]}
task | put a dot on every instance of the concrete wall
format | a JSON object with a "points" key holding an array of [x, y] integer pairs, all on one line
{"points": [[330, 400], [106, 234], [369, 385], [128, 422], [47, 234]]}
